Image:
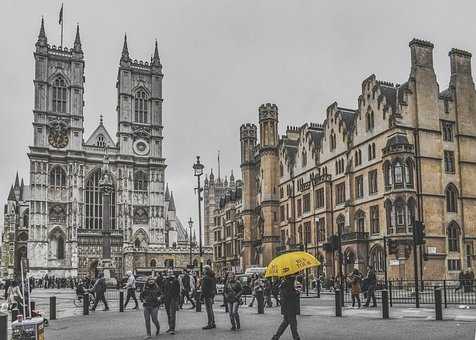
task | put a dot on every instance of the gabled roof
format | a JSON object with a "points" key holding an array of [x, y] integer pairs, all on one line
{"points": [[100, 130]]}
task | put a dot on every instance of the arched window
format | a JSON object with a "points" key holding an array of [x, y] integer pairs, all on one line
{"points": [[304, 158], [56, 244], [57, 177], [408, 173], [340, 221], [94, 203], [153, 263], [400, 215], [376, 259], [332, 143], [398, 173], [137, 243], [360, 221], [26, 219], [141, 107], [59, 95], [453, 237], [140, 181], [370, 120], [100, 141], [451, 194], [387, 172], [60, 249], [411, 204], [388, 216]]}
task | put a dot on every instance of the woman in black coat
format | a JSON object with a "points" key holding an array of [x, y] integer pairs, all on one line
{"points": [[151, 298], [289, 308]]}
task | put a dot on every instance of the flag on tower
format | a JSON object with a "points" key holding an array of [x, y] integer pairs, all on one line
{"points": [[60, 21]]}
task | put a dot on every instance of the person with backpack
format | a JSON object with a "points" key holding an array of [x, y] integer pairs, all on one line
{"points": [[99, 290]]}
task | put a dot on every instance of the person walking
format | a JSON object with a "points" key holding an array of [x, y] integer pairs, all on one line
{"points": [[371, 286], [253, 285], [232, 294], [14, 296], [150, 296], [461, 280], [187, 288], [208, 292], [131, 289], [99, 290], [171, 292], [267, 292], [355, 279], [275, 291], [289, 308]]}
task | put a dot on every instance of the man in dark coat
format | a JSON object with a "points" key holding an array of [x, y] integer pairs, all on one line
{"points": [[289, 308], [99, 290], [208, 293], [371, 286], [171, 292]]}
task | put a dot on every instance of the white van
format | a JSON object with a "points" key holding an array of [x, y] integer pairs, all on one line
{"points": [[255, 270]]}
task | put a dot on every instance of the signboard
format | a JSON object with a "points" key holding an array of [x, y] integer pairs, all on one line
{"points": [[431, 250], [394, 262]]}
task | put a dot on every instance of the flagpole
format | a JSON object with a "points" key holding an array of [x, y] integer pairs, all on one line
{"points": [[61, 18]]}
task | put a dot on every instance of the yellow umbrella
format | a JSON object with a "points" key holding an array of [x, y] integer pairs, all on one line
{"points": [[291, 263]]}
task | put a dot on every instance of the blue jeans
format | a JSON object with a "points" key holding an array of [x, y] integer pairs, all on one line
{"points": [[233, 312], [151, 313]]}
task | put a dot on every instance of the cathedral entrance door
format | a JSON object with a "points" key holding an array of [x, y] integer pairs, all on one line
{"points": [[93, 269]]}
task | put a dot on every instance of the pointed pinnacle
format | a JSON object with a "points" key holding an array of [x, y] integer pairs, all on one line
{"points": [[125, 50], [77, 40], [42, 40], [17, 181]]}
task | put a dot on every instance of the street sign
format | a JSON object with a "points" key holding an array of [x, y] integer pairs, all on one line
{"points": [[431, 250], [394, 262]]}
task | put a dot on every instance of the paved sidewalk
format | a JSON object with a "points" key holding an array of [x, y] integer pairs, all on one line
{"points": [[314, 323]]}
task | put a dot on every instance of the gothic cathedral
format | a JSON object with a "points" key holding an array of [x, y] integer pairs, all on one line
{"points": [[57, 221]]}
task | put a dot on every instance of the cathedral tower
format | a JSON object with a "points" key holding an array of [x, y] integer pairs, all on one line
{"points": [[268, 121], [248, 173]]}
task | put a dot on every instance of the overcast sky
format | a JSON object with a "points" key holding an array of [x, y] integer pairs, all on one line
{"points": [[221, 60]]}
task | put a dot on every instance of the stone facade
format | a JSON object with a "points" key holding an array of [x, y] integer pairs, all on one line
{"points": [[56, 221], [405, 153], [227, 229]]}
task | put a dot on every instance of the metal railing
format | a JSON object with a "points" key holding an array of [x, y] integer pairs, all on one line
{"points": [[454, 292]]}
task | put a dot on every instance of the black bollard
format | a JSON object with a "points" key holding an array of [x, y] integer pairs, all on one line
{"points": [[385, 307], [438, 306], [3, 326], [318, 284], [121, 301], [15, 312], [338, 302], [198, 301], [260, 300], [52, 307], [85, 304]]}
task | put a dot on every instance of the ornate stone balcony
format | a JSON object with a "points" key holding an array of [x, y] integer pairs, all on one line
{"points": [[355, 236]]}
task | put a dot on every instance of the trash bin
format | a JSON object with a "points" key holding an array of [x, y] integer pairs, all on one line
{"points": [[29, 329]]}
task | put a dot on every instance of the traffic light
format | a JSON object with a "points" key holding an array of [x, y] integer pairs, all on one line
{"points": [[392, 246], [419, 232]]}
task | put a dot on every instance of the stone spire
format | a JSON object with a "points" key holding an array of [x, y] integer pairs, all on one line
{"points": [[212, 177], [42, 40], [226, 181], [172, 202], [167, 194], [22, 189], [17, 182], [156, 59], [11, 195], [77, 41], [125, 51]]}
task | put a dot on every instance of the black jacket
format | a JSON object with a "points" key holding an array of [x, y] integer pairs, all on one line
{"points": [[100, 286], [150, 296], [289, 298], [171, 289], [233, 291], [209, 285]]}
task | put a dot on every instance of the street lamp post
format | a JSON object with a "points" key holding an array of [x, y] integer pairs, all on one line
{"points": [[190, 223], [198, 171]]}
